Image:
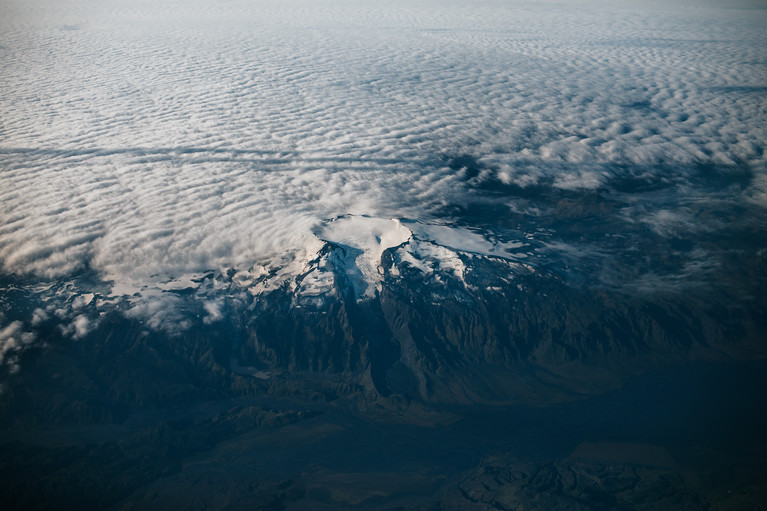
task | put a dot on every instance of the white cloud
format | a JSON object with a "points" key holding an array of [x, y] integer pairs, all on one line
{"points": [[39, 316], [82, 326], [198, 136], [160, 312], [581, 180], [670, 223], [13, 342], [214, 312]]}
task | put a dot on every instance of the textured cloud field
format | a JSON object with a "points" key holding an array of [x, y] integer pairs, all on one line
{"points": [[145, 143]]}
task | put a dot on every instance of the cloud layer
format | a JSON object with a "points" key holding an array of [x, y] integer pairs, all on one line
{"points": [[153, 140]]}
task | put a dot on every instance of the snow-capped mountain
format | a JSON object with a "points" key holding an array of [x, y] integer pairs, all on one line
{"points": [[413, 254]]}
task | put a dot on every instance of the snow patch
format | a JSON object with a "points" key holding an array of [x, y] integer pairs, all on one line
{"points": [[370, 235], [463, 240]]}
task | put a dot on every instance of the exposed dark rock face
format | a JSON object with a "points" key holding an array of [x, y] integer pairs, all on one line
{"points": [[471, 341]]}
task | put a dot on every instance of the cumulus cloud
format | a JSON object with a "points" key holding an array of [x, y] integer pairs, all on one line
{"points": [[153, 154], [160, 312], [39, 316], [213, 310], [82, 326], [13, 342]]}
